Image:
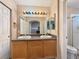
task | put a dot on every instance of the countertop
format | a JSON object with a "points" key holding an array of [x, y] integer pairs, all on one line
{"points": [[35, 38]]}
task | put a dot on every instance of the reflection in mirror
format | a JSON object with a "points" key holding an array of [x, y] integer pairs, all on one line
{"points": [[51, 24], [32, 25], [23, 26], [35, 25]]}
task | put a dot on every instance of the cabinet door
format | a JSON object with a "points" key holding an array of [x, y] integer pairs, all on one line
{"points": [[50, 48], [19, 50], [35, 49]]}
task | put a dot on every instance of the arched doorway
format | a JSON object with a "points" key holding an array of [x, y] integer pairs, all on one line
{"points": [[34, 27]]}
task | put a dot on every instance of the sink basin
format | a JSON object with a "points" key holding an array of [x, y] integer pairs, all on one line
{"points": [[45, 36], [24, 37]]}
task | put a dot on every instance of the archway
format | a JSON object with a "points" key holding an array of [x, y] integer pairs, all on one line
{"points": [[34, 27]]}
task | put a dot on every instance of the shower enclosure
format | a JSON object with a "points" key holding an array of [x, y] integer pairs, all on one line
{"points": [[73, 31]]}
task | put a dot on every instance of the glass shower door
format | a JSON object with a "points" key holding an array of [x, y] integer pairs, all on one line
{"points": [[75, 31]]}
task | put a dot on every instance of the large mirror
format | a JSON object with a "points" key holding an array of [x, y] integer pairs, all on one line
{"points": [[35, 25]]}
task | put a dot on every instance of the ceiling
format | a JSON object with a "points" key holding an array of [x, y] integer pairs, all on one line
{"points": [[43, 3], [73, 3]]}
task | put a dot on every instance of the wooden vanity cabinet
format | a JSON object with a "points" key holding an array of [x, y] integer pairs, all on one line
{"points": [[19, 50], [35, 49], [50, 48]]}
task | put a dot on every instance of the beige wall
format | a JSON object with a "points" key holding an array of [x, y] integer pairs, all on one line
{"points": [[71, 11], [11, 4]]}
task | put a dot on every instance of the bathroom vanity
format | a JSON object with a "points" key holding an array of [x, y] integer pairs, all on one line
{"points": [[34, 48], [34, 39]]}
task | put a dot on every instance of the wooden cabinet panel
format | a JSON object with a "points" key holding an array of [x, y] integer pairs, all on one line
{"points": [[50, 48], [19, 50], [35, 49]]}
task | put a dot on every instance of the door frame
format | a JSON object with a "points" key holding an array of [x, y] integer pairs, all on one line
{"points": [[9, 22], [62, 29]]}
